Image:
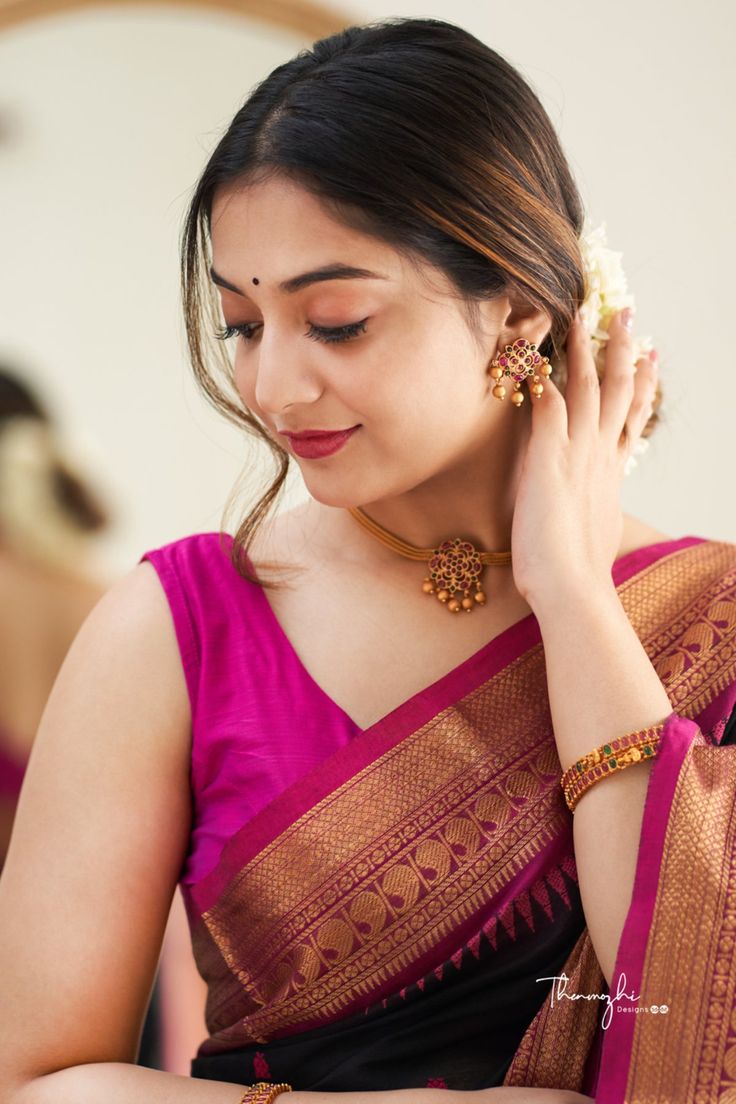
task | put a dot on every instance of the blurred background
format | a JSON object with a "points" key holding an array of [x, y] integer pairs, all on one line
{"points": [[107, 115]]}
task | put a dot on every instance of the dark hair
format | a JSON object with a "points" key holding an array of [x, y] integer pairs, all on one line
{"points": [[18, 400], [416, 132]]}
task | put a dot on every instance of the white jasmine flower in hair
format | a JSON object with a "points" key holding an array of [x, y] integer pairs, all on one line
{"points": [[607, 294], [607, 289]]}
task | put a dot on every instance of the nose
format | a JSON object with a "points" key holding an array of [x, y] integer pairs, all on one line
{"points": [[284, 374]]}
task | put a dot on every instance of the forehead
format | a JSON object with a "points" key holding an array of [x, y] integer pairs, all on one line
{"points": [[276, 228], [279, 218]]}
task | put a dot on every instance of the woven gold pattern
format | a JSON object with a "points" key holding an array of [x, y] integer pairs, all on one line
{"points": [[692, 947], [367, 882], [553, 1051], [683, 608], [436, 826]]}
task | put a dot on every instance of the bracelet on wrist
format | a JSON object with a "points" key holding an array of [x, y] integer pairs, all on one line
{"points": [[263, 1092], [615, 755]]}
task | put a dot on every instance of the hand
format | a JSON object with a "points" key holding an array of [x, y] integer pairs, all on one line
{"points": [[568, 522]]}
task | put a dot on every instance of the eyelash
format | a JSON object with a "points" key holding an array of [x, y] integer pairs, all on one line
{"points": [[326, 334]]}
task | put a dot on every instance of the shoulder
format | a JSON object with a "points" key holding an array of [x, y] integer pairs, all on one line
{"points": [[638, 534], [214, 611], [122, 671], [716, 554], [141, 634], [195, 546], [705, 562], [131, 621], [195, 568]]}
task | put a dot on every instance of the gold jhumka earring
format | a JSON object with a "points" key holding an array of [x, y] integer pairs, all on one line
{"points": [[518, 361], [455, 565]]}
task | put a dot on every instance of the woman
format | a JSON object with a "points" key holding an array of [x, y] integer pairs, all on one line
{"points": [[47, 519], [385, 885]]}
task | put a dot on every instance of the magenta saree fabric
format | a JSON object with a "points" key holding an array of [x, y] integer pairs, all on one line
{"points": [[380, 908], [12, 771], [246, 687]]}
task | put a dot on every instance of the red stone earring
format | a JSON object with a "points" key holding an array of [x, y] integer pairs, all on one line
{"points": [[517, 362]]}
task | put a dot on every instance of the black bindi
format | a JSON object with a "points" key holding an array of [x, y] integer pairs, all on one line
{"points": [[256, 280]]}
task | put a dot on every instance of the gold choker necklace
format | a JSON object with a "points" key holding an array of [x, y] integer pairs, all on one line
{"points": [[454, 566]]}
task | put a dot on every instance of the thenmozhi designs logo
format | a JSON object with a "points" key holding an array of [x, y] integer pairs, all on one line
{"points": [[560, 987]]}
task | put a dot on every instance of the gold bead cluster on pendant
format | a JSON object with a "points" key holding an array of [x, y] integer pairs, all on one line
{"points": [[518, 361], [454, 568]]}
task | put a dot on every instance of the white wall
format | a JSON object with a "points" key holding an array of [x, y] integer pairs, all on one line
{"points": [[109, 115]]}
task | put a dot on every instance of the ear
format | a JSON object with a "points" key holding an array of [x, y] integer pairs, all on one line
{"points": [[510, 316]]}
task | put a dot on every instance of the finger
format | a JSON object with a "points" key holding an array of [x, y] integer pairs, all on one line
{"points": [[549, 414], [645, 389], [582, 392], [617, 385]]}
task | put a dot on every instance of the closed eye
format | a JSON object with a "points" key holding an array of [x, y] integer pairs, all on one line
{"points": [[245, 329], [327, 334]]}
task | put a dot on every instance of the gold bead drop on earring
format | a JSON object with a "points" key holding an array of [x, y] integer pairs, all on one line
{"points": [[519, 361]]}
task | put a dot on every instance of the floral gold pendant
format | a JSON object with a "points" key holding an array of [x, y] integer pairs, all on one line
{"points": [[454, 569]]}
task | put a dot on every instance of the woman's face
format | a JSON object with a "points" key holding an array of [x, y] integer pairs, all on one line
{"points": [[402, 363]]}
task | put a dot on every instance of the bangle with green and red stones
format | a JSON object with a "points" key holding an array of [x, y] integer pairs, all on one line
{"points": [[263, 1092], [622, 752]]}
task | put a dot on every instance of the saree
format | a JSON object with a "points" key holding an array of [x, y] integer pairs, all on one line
{"points": [[407, 912], [12, 772]]}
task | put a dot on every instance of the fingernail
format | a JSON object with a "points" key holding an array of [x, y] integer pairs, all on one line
{"points": [[653, 356], [627, 317]]}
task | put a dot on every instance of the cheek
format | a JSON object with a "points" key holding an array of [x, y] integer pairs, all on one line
{"points": [[432, 414], [428, 395]]}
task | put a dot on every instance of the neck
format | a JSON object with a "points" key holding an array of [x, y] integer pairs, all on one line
{"points": [[473, 500]]}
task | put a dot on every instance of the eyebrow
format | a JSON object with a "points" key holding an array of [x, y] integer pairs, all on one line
{"points": [[296, 283]]}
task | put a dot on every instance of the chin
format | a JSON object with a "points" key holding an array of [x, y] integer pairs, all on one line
{"points": [[351, 489], [342, 488], [333, 496]]}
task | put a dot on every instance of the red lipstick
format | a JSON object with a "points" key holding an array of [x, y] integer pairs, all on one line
{"points": [[313, 444]]}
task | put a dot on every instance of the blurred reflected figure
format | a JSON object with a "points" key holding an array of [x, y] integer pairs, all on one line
{"points": [[47, 517], [49, 520]]}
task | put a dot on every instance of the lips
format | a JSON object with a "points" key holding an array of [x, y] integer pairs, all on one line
{"points": [[313, 444], [314, 433]]}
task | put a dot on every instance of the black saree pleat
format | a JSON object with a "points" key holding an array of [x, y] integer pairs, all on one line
{"points": [[458, 1029]]}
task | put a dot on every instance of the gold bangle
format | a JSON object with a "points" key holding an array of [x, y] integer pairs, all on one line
{"points": [[617, 755], [263, 1092], [599, 754]]}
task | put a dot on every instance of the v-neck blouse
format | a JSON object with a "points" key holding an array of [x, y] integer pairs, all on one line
{"points": [[259, 719]]}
